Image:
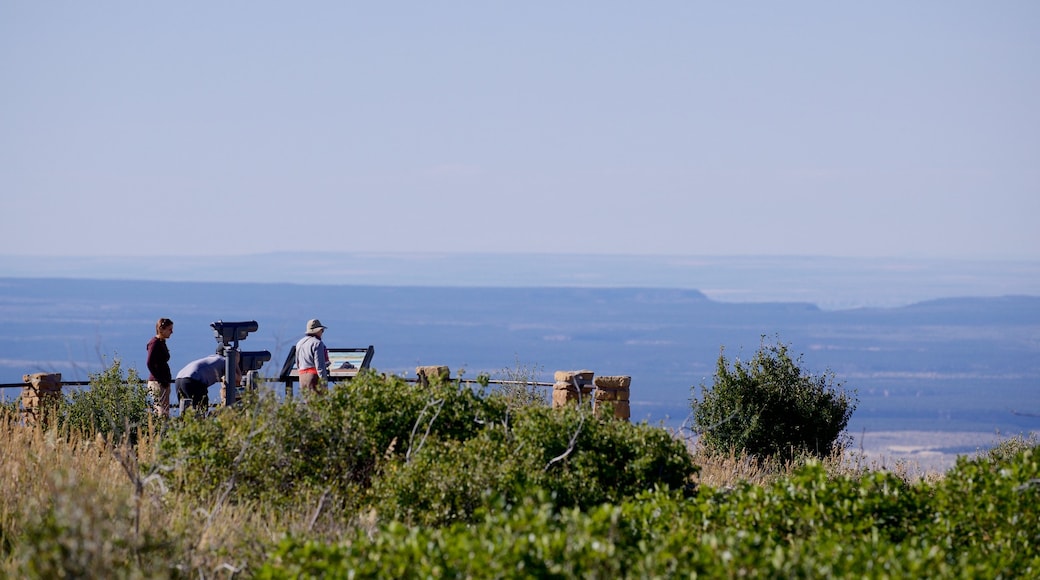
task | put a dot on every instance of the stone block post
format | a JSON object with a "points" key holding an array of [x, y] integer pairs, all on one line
{"points": [[41, 396], [613, 392], [435, 373], [571, 387]]}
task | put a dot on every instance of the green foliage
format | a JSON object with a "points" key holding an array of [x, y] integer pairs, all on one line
{"points": [[575, 459], [115, 405], [276, 451], [434, 455], [583, 461], [808, 525], [198, 454], [990, 507], [770, 407], [529, 541], [448, 480], [381, 478]]}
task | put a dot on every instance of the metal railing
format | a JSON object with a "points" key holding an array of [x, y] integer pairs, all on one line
{"points": [[63, 383], [268, 380]]}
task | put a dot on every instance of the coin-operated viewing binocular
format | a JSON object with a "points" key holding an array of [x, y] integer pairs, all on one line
{"points": [[229, 334], [232, 332], [252, 360]]}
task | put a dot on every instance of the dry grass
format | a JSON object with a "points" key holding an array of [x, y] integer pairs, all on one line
{"points": [[87, 508], [84, 508], [74, 490], [727, 470]]}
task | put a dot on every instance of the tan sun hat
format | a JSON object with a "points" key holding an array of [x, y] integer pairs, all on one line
{"points": [[314, 325]]}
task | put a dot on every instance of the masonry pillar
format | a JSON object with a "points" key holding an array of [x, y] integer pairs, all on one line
{"points": [[435, 373], [613, 391], [571, 387], [40, 396]]}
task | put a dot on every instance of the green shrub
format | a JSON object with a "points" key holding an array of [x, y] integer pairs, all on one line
{"points": [[576, 460], [807, 525], [810, 502], [989, 507], [583, 461], [770, 407], [449, 480], [115, 405], [261, 450], [433, 454], [275, 451], [532, 540]]}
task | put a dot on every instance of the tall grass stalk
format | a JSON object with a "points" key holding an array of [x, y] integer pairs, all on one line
{"points": [[74, 506]]}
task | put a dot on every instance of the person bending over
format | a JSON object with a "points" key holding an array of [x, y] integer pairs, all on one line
{"points": [[195, 379]]}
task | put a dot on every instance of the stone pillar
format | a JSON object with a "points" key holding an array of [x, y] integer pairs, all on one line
{"points": [[435, 373], [571, 387], [613, 391], [40, 396]]}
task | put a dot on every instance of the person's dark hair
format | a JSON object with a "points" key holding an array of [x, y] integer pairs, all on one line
{"points": [[162, 324]]}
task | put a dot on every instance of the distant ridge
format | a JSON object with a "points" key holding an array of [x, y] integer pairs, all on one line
{"points": [[829, 282]]}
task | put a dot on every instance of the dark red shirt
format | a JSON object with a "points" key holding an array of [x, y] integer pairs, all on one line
{"points": [[159, 361]]}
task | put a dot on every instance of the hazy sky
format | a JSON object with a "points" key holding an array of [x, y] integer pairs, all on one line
{"points": [[892, 128]]}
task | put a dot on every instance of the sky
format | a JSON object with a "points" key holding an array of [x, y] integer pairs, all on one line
{"points": [[860, 129]]}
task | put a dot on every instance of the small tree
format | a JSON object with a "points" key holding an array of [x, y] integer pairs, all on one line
{"points": [[770, 407], [115, 405]]}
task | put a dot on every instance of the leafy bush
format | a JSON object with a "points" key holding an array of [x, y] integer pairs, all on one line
{"points": [[275, 450], [574, 459], [583, 461], [448, 480], [990, 507], [432, 454], [808, 525], [770, 407], [114, 405]]}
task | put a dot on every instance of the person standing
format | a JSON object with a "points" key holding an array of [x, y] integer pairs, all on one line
{"points": [[312, 358], [194, 380], [158, 363]]}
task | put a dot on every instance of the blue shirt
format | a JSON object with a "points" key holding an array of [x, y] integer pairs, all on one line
{"points": [[207, 370]]}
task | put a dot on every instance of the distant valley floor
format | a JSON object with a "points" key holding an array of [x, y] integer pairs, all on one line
{"points": [[919, 452]]}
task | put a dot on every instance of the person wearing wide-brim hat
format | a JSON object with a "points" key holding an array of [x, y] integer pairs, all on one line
{"points": [[312, 358]]}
